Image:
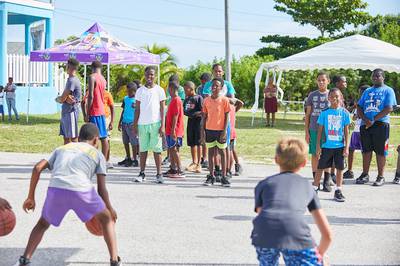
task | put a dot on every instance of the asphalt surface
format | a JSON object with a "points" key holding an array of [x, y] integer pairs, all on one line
{"points": [[184, 223]]}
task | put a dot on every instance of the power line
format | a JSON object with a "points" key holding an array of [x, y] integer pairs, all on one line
{"points": [[157, 33]]}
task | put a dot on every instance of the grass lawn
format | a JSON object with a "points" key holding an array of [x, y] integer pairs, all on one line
{"points": [[255, 144]]}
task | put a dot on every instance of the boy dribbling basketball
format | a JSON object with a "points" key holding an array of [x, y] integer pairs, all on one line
{"points": [[70, 188]]}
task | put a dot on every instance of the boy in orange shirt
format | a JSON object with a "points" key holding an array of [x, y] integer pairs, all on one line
{"points": [[216, 110]]}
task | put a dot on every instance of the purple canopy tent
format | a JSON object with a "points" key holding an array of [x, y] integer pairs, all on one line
{"points": [[96, 44]]}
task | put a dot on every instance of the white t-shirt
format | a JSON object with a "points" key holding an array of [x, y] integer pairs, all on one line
{"points": [[73, 166], [150, 104]]}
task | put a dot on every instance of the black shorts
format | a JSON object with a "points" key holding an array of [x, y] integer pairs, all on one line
{"points": [[214, 135], [375, 138], [331, 157], [193, 132]]}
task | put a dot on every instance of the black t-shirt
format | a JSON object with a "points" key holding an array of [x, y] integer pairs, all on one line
{"points": [[193, 104], [284, 199]]}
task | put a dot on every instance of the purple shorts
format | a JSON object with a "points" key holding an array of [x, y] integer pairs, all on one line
{"points": [[355, 141], [59, 201]]}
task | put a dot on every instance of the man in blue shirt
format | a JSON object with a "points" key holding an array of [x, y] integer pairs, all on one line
{"points": [[373, 108], [218, 72]]}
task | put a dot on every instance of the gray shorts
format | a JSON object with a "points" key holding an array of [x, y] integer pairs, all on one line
{"points": [[69, 124], [127, 134]]}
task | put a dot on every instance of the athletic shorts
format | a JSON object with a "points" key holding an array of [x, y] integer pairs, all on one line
{"points": [[171, 143], [270, 256], [59, 201], [375, 138], [1, 109], [149, 138], [355, 141], [213, 139], [232, 144], [331, 157], [69, 124], [312, 146], [193, 132], [100, 122], [127, 134]]}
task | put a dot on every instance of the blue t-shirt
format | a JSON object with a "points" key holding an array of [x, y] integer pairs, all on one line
{"points": [[227, 89], [334, 121], [129, 110], [374, 100]]}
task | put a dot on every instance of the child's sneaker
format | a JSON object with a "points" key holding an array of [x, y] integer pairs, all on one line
{"points": [[348, 174], [116, 263], [123, 161], [159, 179], [209, 181], [339, 196], [362, 179], [218, 175], [191, 167], [172, 173], [326, 183], [165, 161], [197, 168], [22, 261], [396, 179], [238, 169], [380, 181], [204, 164], [135, 163], [167, 173], [225, 182], [109, 165], [140, 178], [128, 163]]}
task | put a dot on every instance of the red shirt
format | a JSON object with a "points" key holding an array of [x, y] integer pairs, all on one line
{"points": [[232, 120], [97, 107], [175, 108]]}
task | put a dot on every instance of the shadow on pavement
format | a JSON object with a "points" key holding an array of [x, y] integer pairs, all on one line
{"points": [[162, 263], [42, 256], [224, 197]]}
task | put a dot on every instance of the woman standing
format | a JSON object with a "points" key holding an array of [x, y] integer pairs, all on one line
{"points": [[270, 103]]}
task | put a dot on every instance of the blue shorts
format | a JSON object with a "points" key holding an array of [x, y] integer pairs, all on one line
{"points": [[173, 143], [1, 109], [100, 122], [270, 256]]}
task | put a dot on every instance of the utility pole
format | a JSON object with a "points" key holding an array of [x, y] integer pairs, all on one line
{"points": [[227, 49]]}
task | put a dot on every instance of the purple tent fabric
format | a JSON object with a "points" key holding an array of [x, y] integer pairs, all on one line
{"points": [[96, 44]]}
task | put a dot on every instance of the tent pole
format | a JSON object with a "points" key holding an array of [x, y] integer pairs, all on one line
{"points": [[84, 79], [29, 91], [108, 76]]}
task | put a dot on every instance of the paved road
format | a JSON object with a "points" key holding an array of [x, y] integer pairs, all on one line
{"points": [[184, 223]]}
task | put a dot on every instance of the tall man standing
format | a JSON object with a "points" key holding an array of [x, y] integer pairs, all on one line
{"points": [[10, 98], [373, 108], [95, 104]]}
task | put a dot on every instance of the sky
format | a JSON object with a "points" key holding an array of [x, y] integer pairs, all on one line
{"points": [[193, 30]]}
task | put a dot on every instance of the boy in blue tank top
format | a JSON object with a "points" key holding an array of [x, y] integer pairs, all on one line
{"points": [[126, 126]]}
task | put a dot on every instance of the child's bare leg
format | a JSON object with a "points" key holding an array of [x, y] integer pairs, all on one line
{"points": [[317, 178], [35, 237], [104, 146], [135, 149], [171, 152], [193, 152], [74, 139], [177, 159], [235, 156], [227, 159], [198, 154], [339, 178], [67, 140], [143, 158], [223, 161], [268, 118], [273, 118], [108, 151], [204, 152], [231, 160], [350, 161], [314, 163], [157, 160], [107, 225], [211, 156], [127, 151]]}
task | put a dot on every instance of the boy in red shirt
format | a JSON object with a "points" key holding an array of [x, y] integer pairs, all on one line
{"points": [[215, 115], [174, 129]]}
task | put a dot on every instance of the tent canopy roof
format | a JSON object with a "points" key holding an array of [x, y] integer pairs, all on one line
{"points": [[96, 44], [355, 52]]}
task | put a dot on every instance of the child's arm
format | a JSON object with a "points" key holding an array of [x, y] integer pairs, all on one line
{"points": [[90, 97], [162, 127], [346, 140], [120, 117], [173, 126], [226, 121], [137, 114], [63, 97], [360, 113], [83, 107], [29, 203], [323, 225], [111, 125], [203, 127], [102, 190], [239, 104], [319, 136], [307, 123], [258, 210]]}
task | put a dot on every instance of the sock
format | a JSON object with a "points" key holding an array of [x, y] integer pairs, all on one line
{"points": [[338, 188], [397, 174], [217, 168], [327, 175]]}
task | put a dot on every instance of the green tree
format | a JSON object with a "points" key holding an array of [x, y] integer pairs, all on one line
{"points": [[61, 41], [385, 28], [327, 16]]}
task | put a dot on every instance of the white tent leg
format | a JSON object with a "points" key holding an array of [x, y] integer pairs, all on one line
{"points": [[29, 99], [84, 79]]}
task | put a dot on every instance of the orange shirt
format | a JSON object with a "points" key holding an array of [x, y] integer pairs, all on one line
{"points": [[108, 102], [216, 110]]}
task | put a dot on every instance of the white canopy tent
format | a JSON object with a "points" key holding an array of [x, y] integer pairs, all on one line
{"points": [[354, 52]]}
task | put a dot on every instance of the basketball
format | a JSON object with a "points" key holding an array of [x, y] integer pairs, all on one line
{"points": [[7, 222], [94, 227]]}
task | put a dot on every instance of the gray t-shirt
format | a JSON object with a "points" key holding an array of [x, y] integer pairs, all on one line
{"points": [[11, 95], [318, 102], [73, 165], [74, 85], [284, 199]]}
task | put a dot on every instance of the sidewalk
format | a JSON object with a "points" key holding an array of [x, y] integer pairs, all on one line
{"points": [[185, 223]]}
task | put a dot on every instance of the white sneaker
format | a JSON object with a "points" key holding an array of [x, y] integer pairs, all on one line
{"points": [[159, 179], [109, 165]]}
